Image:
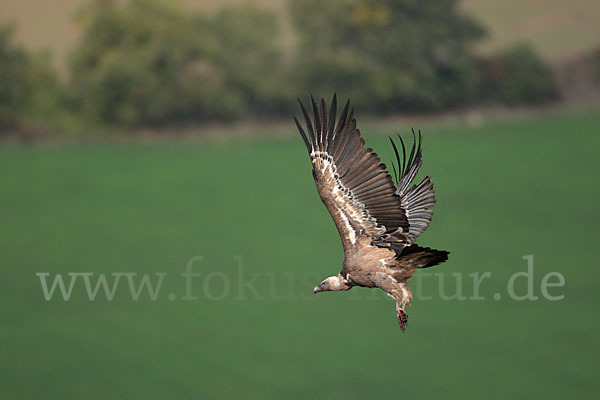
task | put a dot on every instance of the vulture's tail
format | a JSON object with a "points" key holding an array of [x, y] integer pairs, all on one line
{"points": [[415, 256]]}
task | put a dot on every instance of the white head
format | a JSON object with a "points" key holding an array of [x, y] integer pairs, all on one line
{"points": [[331, 284]]}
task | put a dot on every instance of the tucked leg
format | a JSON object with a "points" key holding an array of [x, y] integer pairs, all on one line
{"points": [[399, 292]]}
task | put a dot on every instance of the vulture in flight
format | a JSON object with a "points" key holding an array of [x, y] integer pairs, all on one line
{"points": [[378, 218]]}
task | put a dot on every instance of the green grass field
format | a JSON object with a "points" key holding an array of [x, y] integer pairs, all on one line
{"points": [[505, 190]]}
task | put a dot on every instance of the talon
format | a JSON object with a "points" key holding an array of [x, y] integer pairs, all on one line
{"points": [[402, 319], [402, 325]]}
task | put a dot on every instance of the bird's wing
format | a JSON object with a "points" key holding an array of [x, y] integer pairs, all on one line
{"points": [[416, 200], [351, 181]]}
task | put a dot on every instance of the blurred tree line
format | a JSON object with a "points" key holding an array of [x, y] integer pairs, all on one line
{"points": [[151, 63]]}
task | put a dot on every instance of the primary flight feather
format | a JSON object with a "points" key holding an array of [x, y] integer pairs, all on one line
{"points": [[378, 219]]}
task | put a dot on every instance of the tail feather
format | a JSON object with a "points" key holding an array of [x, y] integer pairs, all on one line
{"points": [[415, 256]]}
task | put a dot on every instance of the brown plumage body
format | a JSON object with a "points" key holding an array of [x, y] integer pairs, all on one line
{"points": [[377, 221]]}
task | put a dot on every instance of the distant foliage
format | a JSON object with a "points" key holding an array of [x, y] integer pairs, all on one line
{"points": [[388, 55], [249, 55], [15, 90], [593, 61], [148, 62], [518, 75], [30, 94]]}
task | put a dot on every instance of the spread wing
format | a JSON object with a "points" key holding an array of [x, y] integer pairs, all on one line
{"points": [[352, 182], [416, 200]]}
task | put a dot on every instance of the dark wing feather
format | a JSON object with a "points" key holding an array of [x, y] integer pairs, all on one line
{"points": [[352, 182], [417, 200]]}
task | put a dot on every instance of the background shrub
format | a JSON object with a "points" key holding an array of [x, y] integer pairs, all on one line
{"points": [[389, 56], [517, 75], [16, 88], [30, 93], [593, 62], [148, 62]]}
